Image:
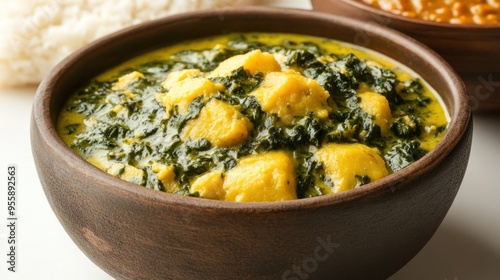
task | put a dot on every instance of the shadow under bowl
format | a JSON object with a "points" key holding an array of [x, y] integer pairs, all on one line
{"points": [[472, 50], [135, 233]]}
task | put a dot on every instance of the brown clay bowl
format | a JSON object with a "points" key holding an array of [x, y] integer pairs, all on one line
{"points": [[135, 233], [472, 50]]}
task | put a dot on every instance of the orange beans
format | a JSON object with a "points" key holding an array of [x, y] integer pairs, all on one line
{"points": [[446, 11]]}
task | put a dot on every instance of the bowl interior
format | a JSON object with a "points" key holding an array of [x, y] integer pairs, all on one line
{"points": [[118, 47]]}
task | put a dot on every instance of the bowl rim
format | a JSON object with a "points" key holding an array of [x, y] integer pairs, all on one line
{"points": [[459, 120], [371, 9]]}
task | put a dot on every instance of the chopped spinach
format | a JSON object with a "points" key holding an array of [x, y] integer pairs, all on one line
{"points": [[403, 153], [133, 127]]}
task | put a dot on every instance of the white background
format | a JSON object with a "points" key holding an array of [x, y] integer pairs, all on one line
{"points": [[466, 246]]}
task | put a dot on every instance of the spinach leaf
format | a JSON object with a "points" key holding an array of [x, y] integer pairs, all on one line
{"points": [[403, 153]]}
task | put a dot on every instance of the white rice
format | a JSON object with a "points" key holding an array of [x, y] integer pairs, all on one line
{"points": [[36, 34]]}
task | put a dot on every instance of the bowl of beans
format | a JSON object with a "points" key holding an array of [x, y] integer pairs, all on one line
{"points": [[465, 33]]}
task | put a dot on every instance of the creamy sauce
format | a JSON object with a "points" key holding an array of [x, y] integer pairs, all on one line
{"points": [[254, 117]]}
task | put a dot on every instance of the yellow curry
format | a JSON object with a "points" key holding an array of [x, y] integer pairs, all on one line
{"points": [[254, 117]]}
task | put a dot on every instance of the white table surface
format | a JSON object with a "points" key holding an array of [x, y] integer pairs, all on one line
{"points": [[466, 245]]}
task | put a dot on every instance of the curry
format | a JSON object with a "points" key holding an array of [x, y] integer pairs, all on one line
{"points": [[254, 117], [445, 11]]}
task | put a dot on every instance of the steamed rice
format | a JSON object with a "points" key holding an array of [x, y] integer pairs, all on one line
{"points": [[37, 34]]}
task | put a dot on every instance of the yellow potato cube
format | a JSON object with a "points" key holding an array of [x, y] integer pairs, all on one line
{"points": [[116, 169], [262, 177], [343, 162], [289, 94], [254, 62], [210, 185], [117, 109], [130, 94], [133, 174], [166, 174], [219, 123], [126, 80], [177, 76], [185, 91], [127, 173], [376, 104]]}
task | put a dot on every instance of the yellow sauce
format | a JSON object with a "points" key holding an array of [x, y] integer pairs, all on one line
{"points": [[216, 125]]}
